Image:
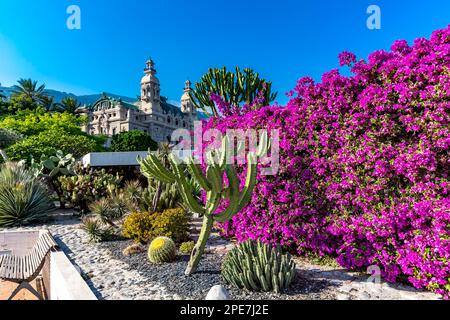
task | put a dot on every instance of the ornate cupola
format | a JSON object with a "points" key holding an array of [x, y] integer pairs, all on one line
{"points": [[150, 89], [187, 106]]}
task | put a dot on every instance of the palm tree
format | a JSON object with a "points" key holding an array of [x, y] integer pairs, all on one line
{"points": [[48, 103], [68, 104], [30, 90]]}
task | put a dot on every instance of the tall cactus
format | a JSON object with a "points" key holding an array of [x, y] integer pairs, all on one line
{"points": [[212, 183], [234, 87]]}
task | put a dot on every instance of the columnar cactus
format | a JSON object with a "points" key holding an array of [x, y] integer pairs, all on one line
{"points": [[162, 250], [258, 267], [212, 183]]}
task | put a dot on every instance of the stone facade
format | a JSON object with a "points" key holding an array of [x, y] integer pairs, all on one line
{"points": [[152, 114]]}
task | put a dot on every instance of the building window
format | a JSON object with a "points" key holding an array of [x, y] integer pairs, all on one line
{"points": [[168, 119], [177, 122], [184, 124], [137, 118], [114, 131]]}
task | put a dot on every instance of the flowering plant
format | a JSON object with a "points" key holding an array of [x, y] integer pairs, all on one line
{"points": [[364, 165]]}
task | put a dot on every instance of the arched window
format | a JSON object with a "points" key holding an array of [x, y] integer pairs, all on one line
{"points": [[169, 120]]}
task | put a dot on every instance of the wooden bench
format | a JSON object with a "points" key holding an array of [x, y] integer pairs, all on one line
{"points": [[26, 268]]}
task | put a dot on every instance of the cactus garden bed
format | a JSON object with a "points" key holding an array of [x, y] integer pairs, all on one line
{"points": [[196, 286]]}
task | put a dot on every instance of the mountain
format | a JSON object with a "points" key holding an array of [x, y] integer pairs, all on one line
{"points": [[83, 99], [88, 99]]}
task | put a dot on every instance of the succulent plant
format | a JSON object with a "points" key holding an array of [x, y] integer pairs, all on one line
{"points": [[95, 230], [212, 183], [256, 266], [23, 198], [161, 250], [54, 166], [234, 87], [133, 249], [169, 197], [87, 187], [187, 247]]}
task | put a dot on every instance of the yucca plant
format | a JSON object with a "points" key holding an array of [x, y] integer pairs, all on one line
{"points": [[23, 198]]}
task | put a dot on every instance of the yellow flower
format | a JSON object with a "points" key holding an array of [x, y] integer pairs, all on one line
{"points": [[157, 244]]}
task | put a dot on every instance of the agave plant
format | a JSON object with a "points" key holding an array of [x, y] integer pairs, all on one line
{"points": [[95, 230], [23, 199]]}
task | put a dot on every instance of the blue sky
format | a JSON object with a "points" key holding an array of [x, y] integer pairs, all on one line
{"points": [[283, 40]]}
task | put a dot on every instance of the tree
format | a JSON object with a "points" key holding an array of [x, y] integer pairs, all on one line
{"points": [[29, 95], [235, 89], [30, 123], [48, 142], [132, 141], [48, 103], [68, 104]]}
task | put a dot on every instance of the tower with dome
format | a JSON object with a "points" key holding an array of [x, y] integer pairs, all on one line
{"points": [[152, 114]]}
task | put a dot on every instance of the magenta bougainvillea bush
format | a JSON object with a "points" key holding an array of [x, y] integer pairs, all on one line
{"points": [[364, 168]]}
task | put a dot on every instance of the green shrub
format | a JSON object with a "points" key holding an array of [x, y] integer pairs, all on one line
{"points": [[134, 140], [23, 199], [145, 226], [161, 250], [47, 143], [187, 247], [139, 226], [258, 267]]}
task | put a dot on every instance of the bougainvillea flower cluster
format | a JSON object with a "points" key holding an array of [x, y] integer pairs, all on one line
{"points": [[364, 168]]}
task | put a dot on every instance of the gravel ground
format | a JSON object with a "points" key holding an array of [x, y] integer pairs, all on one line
{"points": [[171, 276], [112, 276]]}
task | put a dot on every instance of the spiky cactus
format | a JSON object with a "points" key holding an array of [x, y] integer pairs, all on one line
{"points": [[234, 88], [257, 266], [212, 183], [161, 250]]}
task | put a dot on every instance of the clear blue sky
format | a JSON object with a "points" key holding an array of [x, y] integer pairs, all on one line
{"points": [[283, 39]]}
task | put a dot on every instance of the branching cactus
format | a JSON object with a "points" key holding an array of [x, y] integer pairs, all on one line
{"points": [[219, 164]]}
